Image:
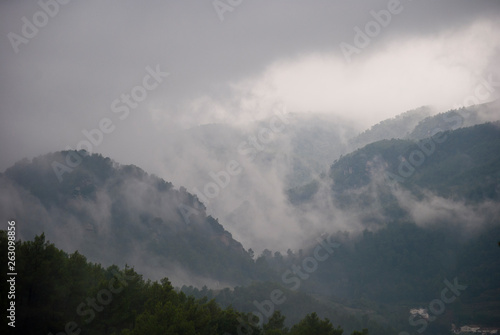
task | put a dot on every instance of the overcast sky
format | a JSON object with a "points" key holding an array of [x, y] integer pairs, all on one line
{"points": [[229, 64]]}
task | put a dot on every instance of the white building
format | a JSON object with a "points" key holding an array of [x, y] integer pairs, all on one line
{"points": [[470, 329], [420, 311]]}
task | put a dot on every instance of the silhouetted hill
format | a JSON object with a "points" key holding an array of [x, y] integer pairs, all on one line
{"points": [[120, 214]]}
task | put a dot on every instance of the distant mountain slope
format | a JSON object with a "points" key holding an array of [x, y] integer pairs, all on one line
{"points": [[299, 146], [457, 162], [398, 127], [120, 214], [464, 163], [296, 305], [420, 123], [456, 118]]}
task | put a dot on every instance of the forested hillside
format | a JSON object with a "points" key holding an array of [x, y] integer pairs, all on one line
{"points": [[464, 163], [121, 215], [60, 293]]}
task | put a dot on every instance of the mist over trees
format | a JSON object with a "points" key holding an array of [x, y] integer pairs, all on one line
{"points": [[407, 216]]}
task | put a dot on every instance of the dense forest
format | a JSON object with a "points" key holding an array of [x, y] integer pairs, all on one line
{"points": [[367, 284], [60, 293]]}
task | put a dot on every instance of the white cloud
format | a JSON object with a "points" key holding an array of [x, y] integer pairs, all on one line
{"points": [[438, 70]]}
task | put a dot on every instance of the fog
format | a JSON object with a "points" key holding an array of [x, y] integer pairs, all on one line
{"points": [[227, 81]]}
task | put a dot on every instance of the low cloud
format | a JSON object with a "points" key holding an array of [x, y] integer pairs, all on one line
{"points": [[430, 210]]}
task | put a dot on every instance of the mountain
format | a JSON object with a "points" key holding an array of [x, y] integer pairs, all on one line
{"points": [[274, 154], [298, 146], [459, 164], [283, 161], [423, 122], [456, 118], [400, 266], [408, 217], [398, 127], [118, 214]]}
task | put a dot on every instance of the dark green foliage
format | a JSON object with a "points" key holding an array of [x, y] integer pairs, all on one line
{"points": [[364, 332], [387, 272], [275, 325], [311, 324], [57, 292]]}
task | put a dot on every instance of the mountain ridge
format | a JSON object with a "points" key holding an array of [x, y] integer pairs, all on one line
{"points": [[114, 206]]}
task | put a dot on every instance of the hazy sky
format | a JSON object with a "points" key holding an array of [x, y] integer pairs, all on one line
{"points": [[227, 64]]}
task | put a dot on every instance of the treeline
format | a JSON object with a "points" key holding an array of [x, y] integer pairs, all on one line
{"points": [[60, 293]]}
